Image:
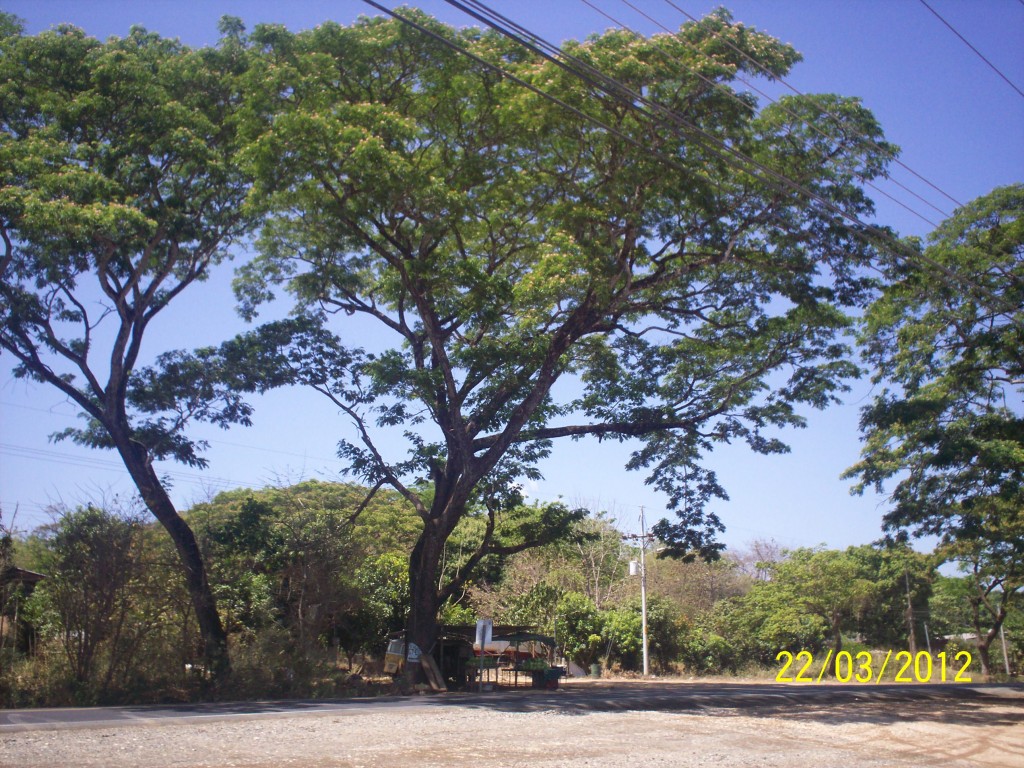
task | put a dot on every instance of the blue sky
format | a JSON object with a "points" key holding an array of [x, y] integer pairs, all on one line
{"points": [[958, 123]]}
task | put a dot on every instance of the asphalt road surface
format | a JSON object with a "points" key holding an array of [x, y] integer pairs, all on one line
{"points": [[575, 697]]}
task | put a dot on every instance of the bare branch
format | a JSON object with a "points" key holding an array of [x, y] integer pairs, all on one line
{"points": [[385, 470], [366, 501]]}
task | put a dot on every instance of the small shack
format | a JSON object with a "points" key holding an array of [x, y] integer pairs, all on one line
{"points": [[516, 654], [16, 584]]}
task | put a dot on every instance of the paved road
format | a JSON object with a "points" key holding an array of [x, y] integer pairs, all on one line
{"points": [[611, 696]]}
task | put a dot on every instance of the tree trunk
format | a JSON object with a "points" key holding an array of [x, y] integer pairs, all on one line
{"points": [[985, 638], [985, 644], [215, 640], [447, 508], [983, 656], [421, 624]]}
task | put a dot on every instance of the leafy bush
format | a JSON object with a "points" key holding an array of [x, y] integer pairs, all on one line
{"points": [[622, 636], [705, 653], [578, 628]]}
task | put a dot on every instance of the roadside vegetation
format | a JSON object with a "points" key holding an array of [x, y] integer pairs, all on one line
{"points": [[308, 596]]}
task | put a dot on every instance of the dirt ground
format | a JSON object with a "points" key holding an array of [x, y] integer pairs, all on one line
{"points": [[945, 733]]}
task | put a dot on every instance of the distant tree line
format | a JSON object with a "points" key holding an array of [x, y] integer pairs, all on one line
{"points": [[309, 595]]}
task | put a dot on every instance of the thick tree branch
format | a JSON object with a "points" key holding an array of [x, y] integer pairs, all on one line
{"points": [[623, 428], [27, 353], [8, 256]]}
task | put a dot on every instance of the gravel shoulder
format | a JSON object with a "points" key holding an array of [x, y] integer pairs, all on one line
{"points": [[942, 731]]}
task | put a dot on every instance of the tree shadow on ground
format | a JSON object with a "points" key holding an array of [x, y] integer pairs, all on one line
{"points": [[828, 704], [985, 712]]}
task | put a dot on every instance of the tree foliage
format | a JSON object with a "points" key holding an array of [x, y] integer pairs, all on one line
{"points": [[517, 272], [694, 587], [946, 336], [501, 244], [754, 627], [827, 584], [577, 629], [12, 596], [812, 598], [311, 560], [119, 188], [622, 634], [901, 581], [96, 576]]}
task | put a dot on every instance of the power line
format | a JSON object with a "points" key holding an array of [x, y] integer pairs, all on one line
{"points": [[727, 153], [630, 98], [103, 465], [530, 87], [966, 42], [835, 119], [31, 506], [211, 441], [823, 112], [729, 92], [89, 462]]}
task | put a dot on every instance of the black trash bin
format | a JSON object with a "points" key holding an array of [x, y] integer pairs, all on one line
{"points": [[551, 677]]}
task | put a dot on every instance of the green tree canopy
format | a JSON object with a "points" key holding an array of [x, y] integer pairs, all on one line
{"points": [[118, 190], [502, 244], [310, 559], [947, 339], [827, 583], [577, 628], [93, 563], [898, 608]]}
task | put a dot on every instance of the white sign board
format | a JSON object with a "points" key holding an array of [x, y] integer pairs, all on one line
{"points": [[484, 631], [414, 653]]}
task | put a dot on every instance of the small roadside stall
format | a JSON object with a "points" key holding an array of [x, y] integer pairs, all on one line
{"points": [[514, 656], [531, 655]]}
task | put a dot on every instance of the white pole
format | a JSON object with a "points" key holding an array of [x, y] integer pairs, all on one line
{"points": [[1006, 658], [643, 586]]}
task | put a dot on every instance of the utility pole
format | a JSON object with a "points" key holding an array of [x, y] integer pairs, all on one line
{"points": [[643, 586], [911, 639], [642, 538], [1006, 657]]}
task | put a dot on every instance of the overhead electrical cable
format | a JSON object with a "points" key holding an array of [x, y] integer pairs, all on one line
{"points": [[630, 98], [825, 113], [730, 154], [966, 42], [834, 118], [91, 462], [211, 440], [529, 86], [723, 151], [732, 94]]}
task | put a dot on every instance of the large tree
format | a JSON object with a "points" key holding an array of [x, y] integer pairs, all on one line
{"points": [[827, 583], [947, 339], [521, 271], [118, 190], [898, 610]]}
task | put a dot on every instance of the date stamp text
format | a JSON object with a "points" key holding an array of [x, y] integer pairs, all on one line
{"points": [[862, 667]]}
